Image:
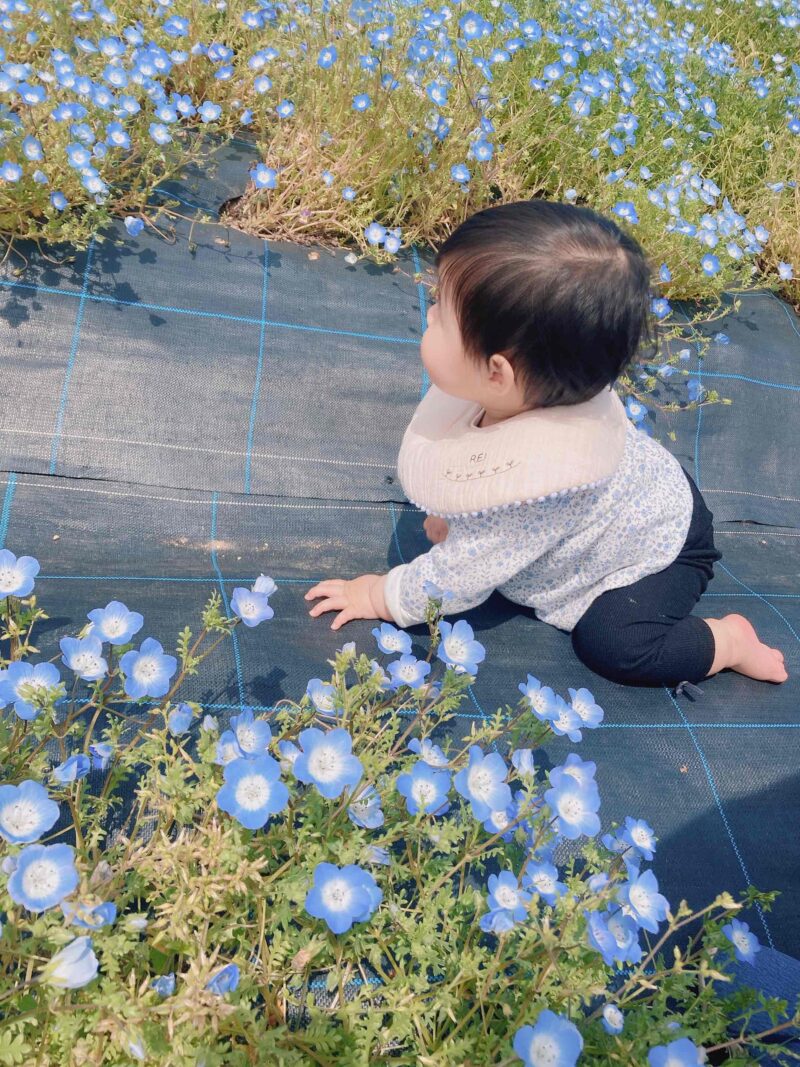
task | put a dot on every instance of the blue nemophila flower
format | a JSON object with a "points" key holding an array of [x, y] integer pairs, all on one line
{"points": [[680, 1053], [583, 703], [641, 899], [32, 149], [18, 681], [44, 875], [542, 878], [408, 670], [639, 836], [522, 762], [694, 389], [365, 810], [164, 985], [327, 761], [251, 607], [428, 752], [564, 720], [101, 753], [613, 1019], [252, 791], [134, 225], [391, 640], [553, 1042], [288, 753], [636, 409], [209, 112], [73, 967], [497, 921], [10, 172], [264, 584], [573, 767], [459, 649], [626, 935], [159, 132], [505, 893], [575, 807], [26, 812], [114, 623], [744, 941], [482, 782], [342, 896], [87, 916], [543, 701], [16, 575], [227, 749], [499, 821], [73, 768], [264, 177], [59, 201], [84, 656], [252, 735], [224, 981], [432, 590], [323, 696], [180, 719], [600, 938], [149, 671], [425, 789]]}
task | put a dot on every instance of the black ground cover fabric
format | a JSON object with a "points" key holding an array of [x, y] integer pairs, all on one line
{"points": [[176, 421]]}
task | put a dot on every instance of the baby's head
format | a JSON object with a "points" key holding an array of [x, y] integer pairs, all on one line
{"points": [[539, 303]]}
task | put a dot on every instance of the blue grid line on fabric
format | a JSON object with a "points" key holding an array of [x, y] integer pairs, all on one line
{"points": [[718, 801], [786, 310], [76, 334], [752, 381], [482, 717], [312, 580], [215, 563], [247, 319], [5, 514], [257, 387], [763, 599], [423, 311]]}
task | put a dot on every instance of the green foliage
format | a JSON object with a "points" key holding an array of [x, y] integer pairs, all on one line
{"points": [[418, 983]]}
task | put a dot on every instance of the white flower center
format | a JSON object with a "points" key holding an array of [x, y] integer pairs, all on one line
{"points": [[114, 626], [393, 642], [640, 836], [480, 782], [537, 699], [20, 817], [455, 648], [145, 670], [336, 894], [86, 663], [41, 879], [252, 792], [325, 764], [506, 897], [570, 807], [246, 736], [423, 792], [500, 819], [639, 897], [562, 722], [741, 941], [544, 882], [247, 607], [618, 932], [324, 700], [545, 1051], [408, 672], [581, 708], [575, 772], [613, 1015], [8, 577]]}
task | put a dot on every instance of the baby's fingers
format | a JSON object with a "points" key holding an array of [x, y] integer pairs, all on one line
{"points": [[333, 603], [329, 587], [343, 617]]}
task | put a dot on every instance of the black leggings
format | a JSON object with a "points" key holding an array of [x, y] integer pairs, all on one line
{"points": [[643, 634]]}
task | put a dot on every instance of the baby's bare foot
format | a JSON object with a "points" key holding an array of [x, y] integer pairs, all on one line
{"points": [[750, 656]]}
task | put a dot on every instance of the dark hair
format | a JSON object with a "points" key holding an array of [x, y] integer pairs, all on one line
{"points": [[559, 290]]}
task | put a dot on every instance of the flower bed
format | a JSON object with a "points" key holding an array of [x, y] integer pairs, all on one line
{"points": [[334, 882]]}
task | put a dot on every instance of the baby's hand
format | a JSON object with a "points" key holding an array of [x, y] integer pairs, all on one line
{"points": [[436, 528], [361, 598]]}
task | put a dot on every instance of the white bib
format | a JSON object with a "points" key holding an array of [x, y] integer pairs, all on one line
{"points": [[449, 466]]}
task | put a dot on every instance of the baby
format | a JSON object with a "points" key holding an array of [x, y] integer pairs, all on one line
{"points": [[534, 480]]}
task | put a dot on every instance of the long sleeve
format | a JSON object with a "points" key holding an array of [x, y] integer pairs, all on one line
{"points": [[478, 556]]}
